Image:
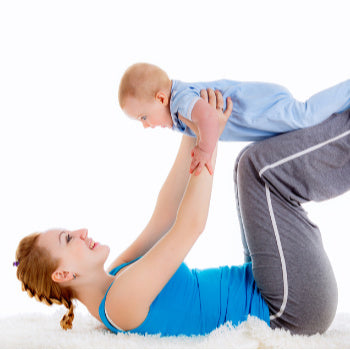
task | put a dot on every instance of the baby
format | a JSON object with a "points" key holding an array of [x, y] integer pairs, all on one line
{"points": [[260, 110]]}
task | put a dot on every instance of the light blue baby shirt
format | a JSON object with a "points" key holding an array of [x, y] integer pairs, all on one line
{"points": [[260, 110]]}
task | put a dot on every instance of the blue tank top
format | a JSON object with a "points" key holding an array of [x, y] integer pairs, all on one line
{"points": [[195, 302]]}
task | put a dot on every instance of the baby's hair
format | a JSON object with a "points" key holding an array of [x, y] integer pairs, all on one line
{"points": [[142, 81], [34, 270]]}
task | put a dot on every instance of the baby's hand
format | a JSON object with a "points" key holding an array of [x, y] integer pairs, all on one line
{"points": [[200, 159]]}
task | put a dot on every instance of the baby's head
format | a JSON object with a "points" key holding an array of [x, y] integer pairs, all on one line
{"points": [[144, 94]]}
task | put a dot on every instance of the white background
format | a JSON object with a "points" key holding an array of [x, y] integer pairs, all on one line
{"points": [[70, 158]]}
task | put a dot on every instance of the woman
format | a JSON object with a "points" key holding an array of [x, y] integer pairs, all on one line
{"points": [[289, 283]]}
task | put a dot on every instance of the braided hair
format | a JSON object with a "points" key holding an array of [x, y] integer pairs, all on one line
{"points": [[34, 270]]}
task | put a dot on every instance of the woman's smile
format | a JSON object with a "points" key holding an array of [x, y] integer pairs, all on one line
{"points": [[92, 244]]}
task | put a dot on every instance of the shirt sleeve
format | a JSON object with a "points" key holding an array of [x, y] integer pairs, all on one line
{"points": [[183, 98], [183, 101]]}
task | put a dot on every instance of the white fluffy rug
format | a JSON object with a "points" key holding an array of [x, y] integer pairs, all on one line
{"points": [[43, 331]]}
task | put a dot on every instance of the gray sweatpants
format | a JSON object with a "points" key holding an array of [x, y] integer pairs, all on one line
{"points": [[273, 178]]}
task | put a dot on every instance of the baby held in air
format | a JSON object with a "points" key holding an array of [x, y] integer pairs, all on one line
{"points": [[260, 110]]}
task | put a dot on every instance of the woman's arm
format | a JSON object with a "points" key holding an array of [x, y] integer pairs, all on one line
{"points": [[171, 193], [168, 202], [134, 290], [127, 306], [205, 117]]}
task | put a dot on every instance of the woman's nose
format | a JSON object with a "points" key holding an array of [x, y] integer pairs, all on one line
{"points": [[83, 233]]}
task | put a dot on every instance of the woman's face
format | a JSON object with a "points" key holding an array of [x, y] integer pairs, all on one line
{"points": [[75, 251]]}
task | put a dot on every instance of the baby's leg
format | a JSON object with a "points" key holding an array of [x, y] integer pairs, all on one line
{"points": [[289, 114], [328, 101], [290, 265]]}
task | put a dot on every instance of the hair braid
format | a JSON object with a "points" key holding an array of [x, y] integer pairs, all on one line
{"points": [[34, 271], [67, 319]]}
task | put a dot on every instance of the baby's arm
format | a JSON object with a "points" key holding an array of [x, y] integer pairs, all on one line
{"points": [[206, 119]]}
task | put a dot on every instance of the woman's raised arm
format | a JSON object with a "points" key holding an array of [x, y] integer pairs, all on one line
{"points": [[167, 205], [127, 306], [171, 193]]}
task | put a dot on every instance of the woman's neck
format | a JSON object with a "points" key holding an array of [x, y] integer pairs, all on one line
{"points": [[92, 291]]}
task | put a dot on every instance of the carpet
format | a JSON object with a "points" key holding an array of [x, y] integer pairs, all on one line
{"points": [[36, 330]]}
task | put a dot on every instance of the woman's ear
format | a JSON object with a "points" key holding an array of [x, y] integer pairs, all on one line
{"points": [[62, 276]]}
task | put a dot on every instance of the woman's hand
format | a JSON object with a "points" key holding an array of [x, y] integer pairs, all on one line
{"points": [[215, 99], [202, 157]]}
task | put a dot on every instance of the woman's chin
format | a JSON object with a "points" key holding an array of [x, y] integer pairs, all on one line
{"points": [[101, 249], [103, 252], [104, 247]]}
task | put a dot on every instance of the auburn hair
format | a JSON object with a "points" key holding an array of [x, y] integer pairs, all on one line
{"points": [[34, 270]]}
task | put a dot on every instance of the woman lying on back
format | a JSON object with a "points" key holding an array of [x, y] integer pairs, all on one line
{"points": [[289, 282]]}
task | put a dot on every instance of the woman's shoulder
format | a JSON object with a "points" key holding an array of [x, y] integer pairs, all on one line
{"points": [[116, 304], [118, 265]]}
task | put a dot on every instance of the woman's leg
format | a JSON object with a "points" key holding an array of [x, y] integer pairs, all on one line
{"points": [[246, 252], [290, 265]]}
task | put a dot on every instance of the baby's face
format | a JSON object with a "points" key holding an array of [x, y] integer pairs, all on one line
{"points": [[150, 113]]}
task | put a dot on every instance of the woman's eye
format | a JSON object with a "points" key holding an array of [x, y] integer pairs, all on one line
{"points": [[68, 238]]}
